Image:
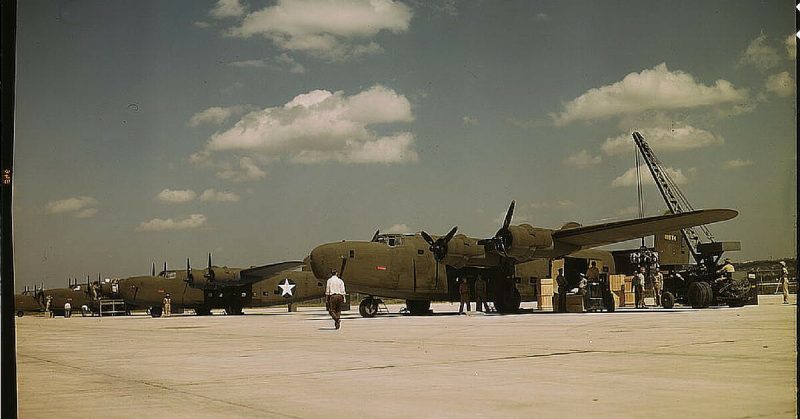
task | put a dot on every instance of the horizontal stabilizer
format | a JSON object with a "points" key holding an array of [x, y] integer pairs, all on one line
{"points": [[608, 233]]}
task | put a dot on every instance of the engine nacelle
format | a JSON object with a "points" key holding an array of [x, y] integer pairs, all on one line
{"points": [[461, 248], [525, 239]]}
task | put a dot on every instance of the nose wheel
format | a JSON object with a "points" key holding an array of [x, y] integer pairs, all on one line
{"points": [[369, 307]]}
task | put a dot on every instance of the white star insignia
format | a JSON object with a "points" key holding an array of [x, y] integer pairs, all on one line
{"points": [[286, 288]]}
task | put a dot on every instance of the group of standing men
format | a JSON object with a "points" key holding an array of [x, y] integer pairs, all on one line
{"points": [[481, 297]]}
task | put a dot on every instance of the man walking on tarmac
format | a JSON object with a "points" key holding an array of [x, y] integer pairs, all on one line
{"points": [[463, 292], [334, 296]]}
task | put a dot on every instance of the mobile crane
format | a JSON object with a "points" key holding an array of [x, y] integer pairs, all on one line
{"points": [[697, 284]]}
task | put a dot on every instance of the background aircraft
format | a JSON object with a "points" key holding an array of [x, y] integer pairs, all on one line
{"points": [[231, 289], [421, 268]]}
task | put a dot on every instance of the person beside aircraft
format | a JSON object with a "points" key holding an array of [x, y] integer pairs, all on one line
{"points": [[48, 306], [335, 292], [67, 309], [480, 295], [727, 268], [562, 291], [167, 305], [463, 292], [593, 274]]}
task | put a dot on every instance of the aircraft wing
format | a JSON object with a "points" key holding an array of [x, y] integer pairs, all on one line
{"points": [[250, 275], [608, 233]]}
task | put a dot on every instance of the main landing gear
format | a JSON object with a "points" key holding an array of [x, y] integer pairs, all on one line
{"points": [[369, 307], [506, 296]]}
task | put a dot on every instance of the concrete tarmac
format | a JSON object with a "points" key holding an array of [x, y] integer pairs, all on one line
{"points": [[713, 363]]}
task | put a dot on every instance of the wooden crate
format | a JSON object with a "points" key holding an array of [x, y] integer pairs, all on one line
{"points": [[616, 281], [574, 303]]}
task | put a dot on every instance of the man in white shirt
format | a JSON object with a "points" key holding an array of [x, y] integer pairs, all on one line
{"points": [[334, 296]]}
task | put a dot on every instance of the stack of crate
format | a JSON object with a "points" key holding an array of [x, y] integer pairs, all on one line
{"points": [[622, 288], [545, 294]]}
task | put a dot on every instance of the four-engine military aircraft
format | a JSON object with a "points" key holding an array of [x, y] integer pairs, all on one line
{"points": [[420, 268], [81, 296], [231, 289]]}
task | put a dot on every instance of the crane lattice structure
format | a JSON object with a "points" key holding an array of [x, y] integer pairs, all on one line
{"points": [[675, 199]]}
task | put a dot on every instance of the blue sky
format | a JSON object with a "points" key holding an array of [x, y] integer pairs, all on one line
{"points": [[151, 131]]}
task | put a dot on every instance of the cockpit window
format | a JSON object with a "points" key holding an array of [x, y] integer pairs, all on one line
{"points": [[170, 275], [394, 241]]}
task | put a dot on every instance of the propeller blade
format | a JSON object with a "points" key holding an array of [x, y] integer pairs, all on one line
{"points": [[209, 270], [375, 236], [509, 214], [450, 235], [344, 263], [165, 266], [189, 276], [153, 270], [209, 261], [427, 237]]}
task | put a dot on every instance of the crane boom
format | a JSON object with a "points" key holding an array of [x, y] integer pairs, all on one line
{"points": [[675, 199]]}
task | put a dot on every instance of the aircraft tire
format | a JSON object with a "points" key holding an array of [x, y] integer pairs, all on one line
{"points": [[418, 307], [667, 299], [233, 311], [507, 300], [368, 308], [20, 313], [155, 311]]}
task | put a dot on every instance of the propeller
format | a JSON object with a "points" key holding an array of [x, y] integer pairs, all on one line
{"points": [[153, 270], [165, 266], [502, 239], [375, 236], [439, 247], [341, 270], [209, 273]]}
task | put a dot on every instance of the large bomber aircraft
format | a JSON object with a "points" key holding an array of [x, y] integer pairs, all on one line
{"points": [[227, 288], [81, 296], [420, 267]]}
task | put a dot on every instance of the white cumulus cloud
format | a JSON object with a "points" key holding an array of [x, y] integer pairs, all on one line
{"points": [[219, 196], [176, 196], [629, 177], [791, 46], [657, 88], [328, 29], [736, 164], [79, 207], [323, 126], [247, 170], [227, 8], [159, 224], [582, 160], [664, 140], [760, 54], [397, 229], [216, 115], [782, 84]]}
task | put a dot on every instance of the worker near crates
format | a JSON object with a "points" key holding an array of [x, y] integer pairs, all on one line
{"points": [[593, 274], [562, 291], [658, 285], [638, 287]]}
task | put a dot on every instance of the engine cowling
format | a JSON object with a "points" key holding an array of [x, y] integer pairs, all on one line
{"points": [[462, 248], [521, 241]]}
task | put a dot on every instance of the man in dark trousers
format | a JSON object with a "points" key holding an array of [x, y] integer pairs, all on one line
{"points": [[480, 294], [562, 291], [334, 297], [463, 291]]}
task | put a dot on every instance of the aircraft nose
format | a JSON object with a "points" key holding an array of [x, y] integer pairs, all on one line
{"points": [[127, 289], [324, 258]]}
